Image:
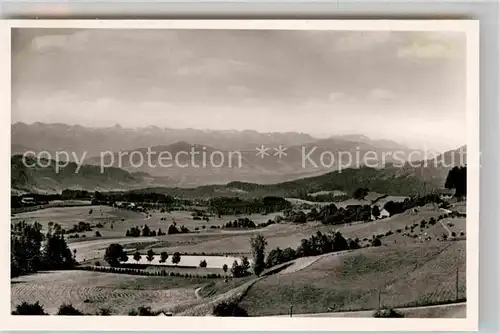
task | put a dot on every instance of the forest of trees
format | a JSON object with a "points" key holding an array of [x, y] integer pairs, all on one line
{"points": [[32, 251], [317, 244], [331, 214]]}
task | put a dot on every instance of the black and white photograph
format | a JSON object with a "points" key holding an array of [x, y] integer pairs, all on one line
{"points": [[266, 169]]}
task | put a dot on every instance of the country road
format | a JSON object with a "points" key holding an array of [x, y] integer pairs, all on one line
{"points": [[453, 310]]}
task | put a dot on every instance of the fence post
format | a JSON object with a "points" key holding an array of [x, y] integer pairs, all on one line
{"points": [[291, 310], [379, 297]]}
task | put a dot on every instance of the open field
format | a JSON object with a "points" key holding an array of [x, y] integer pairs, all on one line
{"points": [[115, 222], [407, 271], [298, 202], [69, 216], [289, 235], [277, 235], [227, 241], [89, 291], [95, 249], [406, 275], [52, 204], [399, 221]]}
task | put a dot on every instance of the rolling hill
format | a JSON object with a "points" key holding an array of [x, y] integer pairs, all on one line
{"points": [[194, 164], [393, 180], [405, 275], [39, 179]]}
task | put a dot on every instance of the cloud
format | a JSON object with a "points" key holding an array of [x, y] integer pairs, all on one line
{"points": [[381, 94], [435, 45], [336, 96], [239, 90], [215, 67], [49, 41], [430, 51], [359, 41]]}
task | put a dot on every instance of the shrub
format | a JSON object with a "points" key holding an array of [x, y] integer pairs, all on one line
{"points": [[68, 309], [229, 309], [203, 264], [387, 313], [376, 242], [352, 244], [115, 254], [176, 258], [29, 309], [150, 255], [145, 311], [142, 311], [104, 311]]}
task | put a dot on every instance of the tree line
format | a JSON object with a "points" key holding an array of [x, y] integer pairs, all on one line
{"points": [[238, 206], [147, 232]]}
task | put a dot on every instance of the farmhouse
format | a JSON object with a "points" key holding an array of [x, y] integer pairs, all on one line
{"points": [[384, 213], [28, 200]]}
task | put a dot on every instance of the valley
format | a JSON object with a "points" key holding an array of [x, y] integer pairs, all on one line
{"points": [[416, 263]]}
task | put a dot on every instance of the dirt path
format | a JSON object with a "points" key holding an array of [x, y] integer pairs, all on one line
{"points": [[197, 293]]}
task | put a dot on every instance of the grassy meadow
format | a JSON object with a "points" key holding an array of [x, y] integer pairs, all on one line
{"points": [[405, 271]]}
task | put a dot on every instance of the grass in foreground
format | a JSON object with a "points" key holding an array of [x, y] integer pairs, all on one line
{"points": [[90, 291], [160, 283], [218, 287]]}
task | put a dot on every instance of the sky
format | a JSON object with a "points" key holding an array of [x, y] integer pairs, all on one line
{"points": [[404, 86]]}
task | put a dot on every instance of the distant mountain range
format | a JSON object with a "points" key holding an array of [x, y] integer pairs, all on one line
{"points": [[422, 177], [75, 138], [304, 156]]}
